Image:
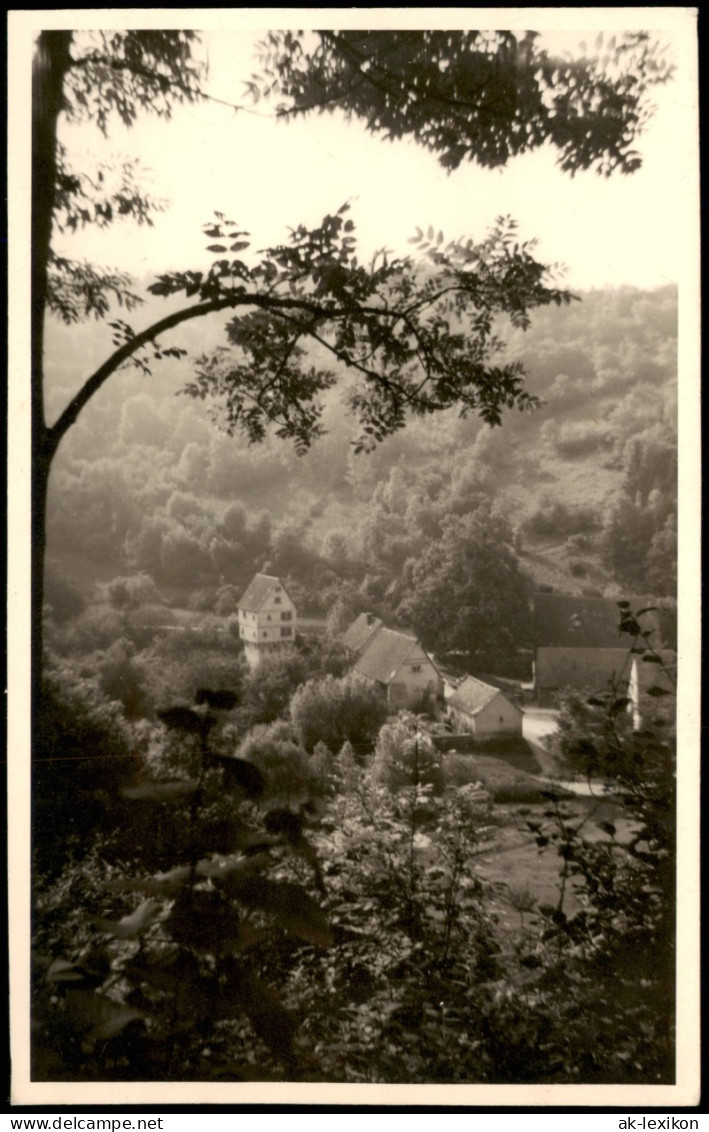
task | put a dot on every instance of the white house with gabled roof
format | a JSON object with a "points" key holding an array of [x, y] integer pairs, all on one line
{"points": [[393, 660], [484, 711], [267, 618]]}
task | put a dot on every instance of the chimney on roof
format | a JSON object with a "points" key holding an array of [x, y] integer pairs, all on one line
{"points": [[370, 618]]}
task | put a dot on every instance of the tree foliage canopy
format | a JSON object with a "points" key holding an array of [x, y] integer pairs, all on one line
{"points": [[337, 711], [418, 334], [481, 96], [105, 75], [467, 593]]}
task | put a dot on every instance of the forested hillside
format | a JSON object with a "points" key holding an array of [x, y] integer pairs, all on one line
{"points": [[580, 493], [384, 911], [247, 865]]}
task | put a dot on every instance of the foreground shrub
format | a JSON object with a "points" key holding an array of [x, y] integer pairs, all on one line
{"points": [[157, 978], [274, 749], [84, 752], [405, 756], [212, 937], [336, 711]]}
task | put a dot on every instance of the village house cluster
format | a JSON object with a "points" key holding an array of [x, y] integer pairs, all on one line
{"points": [[393, 660], [577, 645]]}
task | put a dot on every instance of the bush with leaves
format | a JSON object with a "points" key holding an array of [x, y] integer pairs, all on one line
{"points": [[84, 752], [585, 728], [405, 755], [335, 711], [398, 998], [274, 749], [172, 989], [122, 678], [64, 600], [180, 660], [364, 916], [133, 591], [97, 626]]}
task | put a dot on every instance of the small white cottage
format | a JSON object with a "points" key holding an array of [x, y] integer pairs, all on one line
{"points": [[484, 711]]}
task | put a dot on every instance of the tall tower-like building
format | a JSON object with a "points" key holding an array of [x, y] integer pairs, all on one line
{"points": [[267, 618]]}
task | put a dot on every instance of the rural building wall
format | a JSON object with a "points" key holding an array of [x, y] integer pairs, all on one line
{"points": [[411, 682], [498, 718], [271, 626], [557, 668]]}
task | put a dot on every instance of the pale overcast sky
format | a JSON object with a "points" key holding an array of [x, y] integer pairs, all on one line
{"points": [[267, 175]]}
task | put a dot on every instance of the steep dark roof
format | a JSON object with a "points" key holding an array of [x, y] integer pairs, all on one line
{"points": [[259, 590], [360, 631], [473, 695], [567, 621], [386, 651]]}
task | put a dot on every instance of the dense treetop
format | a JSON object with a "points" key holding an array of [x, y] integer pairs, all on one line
{"points": [[482, 96]]}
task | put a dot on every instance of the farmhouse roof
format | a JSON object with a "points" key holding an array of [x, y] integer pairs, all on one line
{"points": [[259, 591], [568, 621], [472, 695], [360, 631], [385, 652]]}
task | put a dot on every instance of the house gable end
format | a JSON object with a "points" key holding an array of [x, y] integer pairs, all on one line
{"points": [[387, 652], [261, 593]]}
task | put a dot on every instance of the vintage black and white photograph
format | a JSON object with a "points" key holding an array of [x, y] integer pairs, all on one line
{"points": [[360, 361]]}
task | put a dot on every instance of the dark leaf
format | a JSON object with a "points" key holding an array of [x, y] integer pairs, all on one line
{"points": [[284, 822], [241, 773], [160, 791], [532, 961], [133, 925], [630, 625], [202, 918], [181, 718], [165, 969], [248, 864], [289, 903], [219, 699], [62, 971], [247, 994], [114, 1023], [103, 1017], [620, 704], [164, 884], [607, 827]]}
